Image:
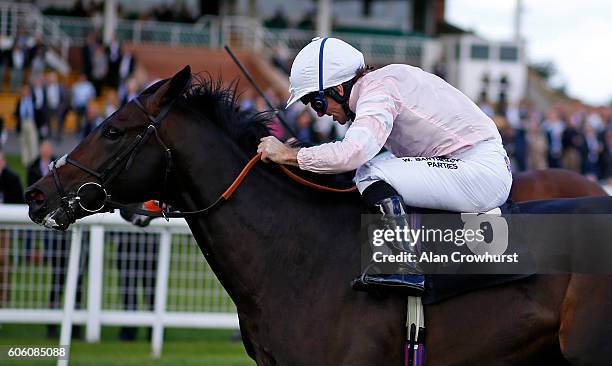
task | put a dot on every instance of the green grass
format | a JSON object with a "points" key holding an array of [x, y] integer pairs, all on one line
{"points": [[14, 162], [181, 347]]}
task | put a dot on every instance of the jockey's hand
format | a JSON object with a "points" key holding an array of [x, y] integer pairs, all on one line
{"points": [[272, 149]]}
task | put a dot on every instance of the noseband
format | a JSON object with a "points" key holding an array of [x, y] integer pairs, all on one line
{"points": [[106, 176]]}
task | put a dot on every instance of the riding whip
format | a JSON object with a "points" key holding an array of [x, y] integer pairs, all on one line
{"points": [[279, 113]]}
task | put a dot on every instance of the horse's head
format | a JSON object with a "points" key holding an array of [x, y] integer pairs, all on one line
{"points": [[124, 158]]}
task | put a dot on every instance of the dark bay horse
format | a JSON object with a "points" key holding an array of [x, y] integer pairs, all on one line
{"points": [[286, 253]]}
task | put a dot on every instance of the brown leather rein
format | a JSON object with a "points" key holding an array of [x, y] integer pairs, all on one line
{"points": [[230, 190], [227, 194]]}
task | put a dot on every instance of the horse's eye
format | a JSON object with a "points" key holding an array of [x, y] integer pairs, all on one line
{"points": [[112, 133]]}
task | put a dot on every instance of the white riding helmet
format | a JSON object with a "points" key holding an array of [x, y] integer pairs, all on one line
{"points": [[339, 60]]}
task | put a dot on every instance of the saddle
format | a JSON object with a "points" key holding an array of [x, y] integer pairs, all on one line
{"points": [[445, 278], [440, 287]]}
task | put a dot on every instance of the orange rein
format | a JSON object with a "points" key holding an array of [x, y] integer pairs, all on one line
{"points": [[230, 190]]}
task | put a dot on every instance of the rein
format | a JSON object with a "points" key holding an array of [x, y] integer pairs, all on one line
{"points": [[228, 193], [310, 184]]}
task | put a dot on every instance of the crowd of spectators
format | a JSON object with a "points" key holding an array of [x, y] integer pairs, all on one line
{"points": [[24, 51], [45, 99], [567, 135]]}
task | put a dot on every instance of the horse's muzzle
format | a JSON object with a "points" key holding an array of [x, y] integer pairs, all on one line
{"points": [[57, 219], [41, 213]]}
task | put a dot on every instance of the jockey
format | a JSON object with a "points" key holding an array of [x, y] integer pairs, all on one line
{"points": [[442, 151]]}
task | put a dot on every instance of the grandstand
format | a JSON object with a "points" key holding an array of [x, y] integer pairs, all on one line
{"points": [[412, 32]]}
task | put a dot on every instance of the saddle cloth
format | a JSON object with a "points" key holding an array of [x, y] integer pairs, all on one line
{"points": [[440, 287]]}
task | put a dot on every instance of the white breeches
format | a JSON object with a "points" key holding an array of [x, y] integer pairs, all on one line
{"points": [[476, 180]]}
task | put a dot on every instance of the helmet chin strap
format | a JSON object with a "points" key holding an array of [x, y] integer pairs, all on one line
{"points": [[350, 115], [343, 100]]}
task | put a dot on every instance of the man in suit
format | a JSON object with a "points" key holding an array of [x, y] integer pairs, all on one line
{"points": [[126, 66], [87, 54], [26, 126], [57, 103], [41, 116], [18, 60], [82, 92], [126, 70], [114, 54]]}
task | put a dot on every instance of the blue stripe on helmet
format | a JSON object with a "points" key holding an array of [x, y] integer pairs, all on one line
{"points": [[321, 66]]}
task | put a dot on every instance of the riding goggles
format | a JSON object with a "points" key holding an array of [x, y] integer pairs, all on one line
{"points": [[317, 102]]}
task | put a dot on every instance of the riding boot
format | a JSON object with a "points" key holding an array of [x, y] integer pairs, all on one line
{"points": [[409, 276]]}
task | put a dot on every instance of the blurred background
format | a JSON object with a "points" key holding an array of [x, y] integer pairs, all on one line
{"points": [[540, 69]]}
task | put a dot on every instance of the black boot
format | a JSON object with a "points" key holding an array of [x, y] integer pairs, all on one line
{"points": [[408, 277]]}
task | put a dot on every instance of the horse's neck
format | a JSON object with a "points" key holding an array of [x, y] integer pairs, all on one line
{"points": [[268, 230]]}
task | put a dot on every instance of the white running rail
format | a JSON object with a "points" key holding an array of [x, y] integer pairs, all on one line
{"points": [[109, 273]]}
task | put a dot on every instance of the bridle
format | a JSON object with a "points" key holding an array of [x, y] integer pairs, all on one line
{"points": [[70, 201], [111, 171]]}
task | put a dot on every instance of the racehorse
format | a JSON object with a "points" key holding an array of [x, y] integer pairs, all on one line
{"points": [[552, 183], [286, 253]]}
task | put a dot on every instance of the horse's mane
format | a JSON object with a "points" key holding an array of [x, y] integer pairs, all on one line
{"points": [[218, 103]]}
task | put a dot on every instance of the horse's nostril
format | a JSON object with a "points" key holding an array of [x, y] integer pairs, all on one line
{"points": [[35, 196]]}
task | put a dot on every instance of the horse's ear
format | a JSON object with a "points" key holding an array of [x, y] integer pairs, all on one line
{"points": [[173, 87]]}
